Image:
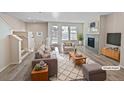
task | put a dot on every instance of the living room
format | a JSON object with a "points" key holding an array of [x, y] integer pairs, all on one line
{"points": [[89, 35], [61, 46]]}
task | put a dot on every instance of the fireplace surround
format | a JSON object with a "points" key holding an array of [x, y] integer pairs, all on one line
{"points": [[92, 42]]}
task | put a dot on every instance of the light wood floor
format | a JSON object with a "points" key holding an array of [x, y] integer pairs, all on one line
{"points": [[111, 75], [18, 72], [22, 71]]}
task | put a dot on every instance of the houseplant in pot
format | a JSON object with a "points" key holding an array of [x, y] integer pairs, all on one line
{"points": [[80, 38]]}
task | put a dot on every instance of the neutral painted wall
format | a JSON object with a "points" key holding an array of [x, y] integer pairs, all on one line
{"points": [[16, 25], [114, 23], [38, 27], [4, 45], [7, 25], [87, 23], [102, 32]]}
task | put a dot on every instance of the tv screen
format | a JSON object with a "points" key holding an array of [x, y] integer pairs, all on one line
{"points": [[114, 39]]}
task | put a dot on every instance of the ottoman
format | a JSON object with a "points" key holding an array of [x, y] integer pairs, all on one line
{"points": [[93, 72]]}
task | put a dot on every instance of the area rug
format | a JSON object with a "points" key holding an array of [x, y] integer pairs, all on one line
{"points": [[68, 71]]}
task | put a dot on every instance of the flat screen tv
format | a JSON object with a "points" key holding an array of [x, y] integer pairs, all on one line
{"points": [[114, 39]]}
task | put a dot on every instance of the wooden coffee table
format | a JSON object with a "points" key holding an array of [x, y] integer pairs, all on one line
{"points": [[77, 60], [41, 75]]}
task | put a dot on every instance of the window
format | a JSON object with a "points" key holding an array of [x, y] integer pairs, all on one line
{"points": [[54, 35], [73, 33], [69, 33], [60, 32], [65, 33]]}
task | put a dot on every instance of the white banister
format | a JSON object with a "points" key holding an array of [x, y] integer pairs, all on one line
{"points": [[15, 48]]}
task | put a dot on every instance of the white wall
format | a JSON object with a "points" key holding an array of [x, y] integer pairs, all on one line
{"points": [[16, 25], [4, 45]]}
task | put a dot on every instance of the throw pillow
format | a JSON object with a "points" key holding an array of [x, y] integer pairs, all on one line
{"points": [[37, 55], [46, 55]]}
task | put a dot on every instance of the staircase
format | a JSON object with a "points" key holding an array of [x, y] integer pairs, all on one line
{"points": [[24, 54]]}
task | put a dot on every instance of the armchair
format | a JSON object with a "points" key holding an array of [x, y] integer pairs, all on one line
{"points": [[68, 46]]}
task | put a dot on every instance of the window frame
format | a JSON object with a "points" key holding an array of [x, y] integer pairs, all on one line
{"points": [[54, 35], [71, 30]]}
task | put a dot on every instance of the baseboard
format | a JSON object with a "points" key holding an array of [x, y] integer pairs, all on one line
{"points": [[14, 63], [4, 68], [121, 66]]}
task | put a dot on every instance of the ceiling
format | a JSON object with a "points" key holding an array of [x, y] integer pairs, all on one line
{"points": [[79, 17]]}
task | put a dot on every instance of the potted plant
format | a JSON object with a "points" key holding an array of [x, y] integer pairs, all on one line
{"points": [[80, 38]]}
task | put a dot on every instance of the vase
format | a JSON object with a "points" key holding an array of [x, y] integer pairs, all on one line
{"points": [[75, 50], [80, 42]]}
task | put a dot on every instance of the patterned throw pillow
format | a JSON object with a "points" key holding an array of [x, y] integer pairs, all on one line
{"points": [[68, 44], [46, 55], [37, 55], [41, 52]]}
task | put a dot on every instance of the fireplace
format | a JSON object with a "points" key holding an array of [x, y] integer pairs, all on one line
{"points": [[91, 42]]}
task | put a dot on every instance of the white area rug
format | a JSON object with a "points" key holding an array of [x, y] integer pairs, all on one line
{"points": [[67, 70]]}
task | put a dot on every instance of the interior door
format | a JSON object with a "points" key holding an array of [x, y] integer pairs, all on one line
{"points": [[30, 41]]}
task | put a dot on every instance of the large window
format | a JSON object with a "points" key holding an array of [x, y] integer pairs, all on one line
{"points": [[65, 33], [69, 33], [59, 32], [54, 35], [73, 33]]}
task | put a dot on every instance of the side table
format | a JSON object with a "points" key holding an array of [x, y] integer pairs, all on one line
{"points": [[41, 75]]}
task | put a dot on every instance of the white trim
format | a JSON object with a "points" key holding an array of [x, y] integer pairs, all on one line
{"points": [[4, 67], [18, 30], [121, 66], [14, 63]]}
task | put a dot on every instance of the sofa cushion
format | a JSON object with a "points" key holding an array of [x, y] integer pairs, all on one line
{"points": [[40, 51], [68, 43], [47, 50], [68, 47], [37, 55], [46, 55]]}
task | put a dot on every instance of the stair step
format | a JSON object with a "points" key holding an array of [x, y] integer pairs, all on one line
{"points": [[22, 51], [25, 55]]}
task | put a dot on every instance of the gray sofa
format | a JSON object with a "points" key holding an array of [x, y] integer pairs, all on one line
{"points": [[51, 60]]}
